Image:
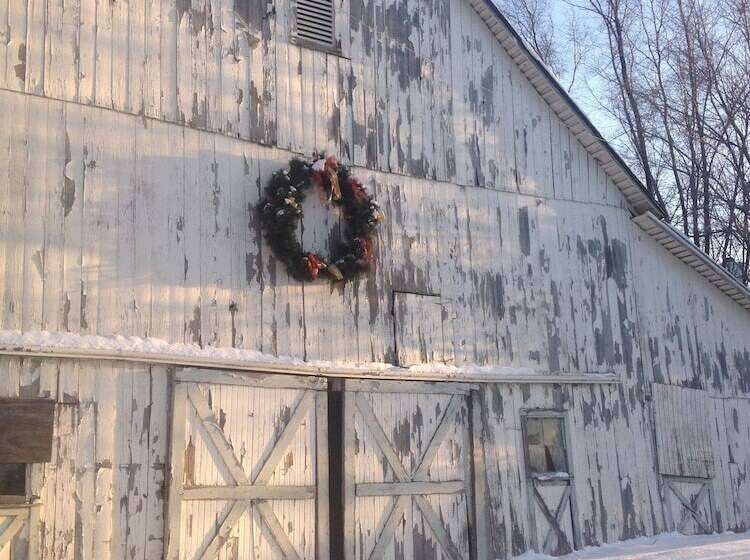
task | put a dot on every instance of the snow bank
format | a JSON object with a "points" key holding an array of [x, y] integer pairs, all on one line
{"points": [[667, 546]]}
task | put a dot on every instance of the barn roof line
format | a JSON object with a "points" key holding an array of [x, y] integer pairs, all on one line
{"points": [[570, 113], [681, 247], [650, 216]]}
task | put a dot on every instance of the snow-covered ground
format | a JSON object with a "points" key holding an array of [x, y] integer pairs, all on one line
{"points": [[668, 546]]}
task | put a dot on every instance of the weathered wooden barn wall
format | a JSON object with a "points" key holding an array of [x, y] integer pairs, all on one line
{"points": [[139, 137], [102, 494], [399, 99], [693, 337], [152, 232]]}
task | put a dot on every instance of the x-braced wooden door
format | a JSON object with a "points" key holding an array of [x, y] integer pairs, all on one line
{"points": [[249, 467], [407, 470], [689, 504], [552, 511]]}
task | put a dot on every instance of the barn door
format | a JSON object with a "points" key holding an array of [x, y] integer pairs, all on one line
{"points": [[689, 503], [550, 482], [249, 467], [685, 456], [553, 515], [407, 471]]}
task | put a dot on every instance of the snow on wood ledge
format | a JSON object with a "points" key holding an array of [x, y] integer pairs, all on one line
{"points": [[154, 350]]}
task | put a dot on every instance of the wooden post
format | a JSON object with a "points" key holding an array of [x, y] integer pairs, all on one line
{"points": [[321, 423], [480, 534], [175, 469]]}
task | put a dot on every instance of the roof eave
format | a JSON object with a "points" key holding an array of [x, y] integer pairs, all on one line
{"points": [[684, 249]]}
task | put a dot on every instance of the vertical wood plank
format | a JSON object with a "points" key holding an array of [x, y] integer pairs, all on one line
{"points": [[15, 52], [152, 59], [104, 70], [321, 430], [175, 478], [35, 39], [168, 59]]}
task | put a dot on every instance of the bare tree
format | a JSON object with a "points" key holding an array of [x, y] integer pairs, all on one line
{"points": [[673, 75]]}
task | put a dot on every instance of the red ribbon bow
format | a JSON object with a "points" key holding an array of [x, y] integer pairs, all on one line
{"points": [[314, 265]]}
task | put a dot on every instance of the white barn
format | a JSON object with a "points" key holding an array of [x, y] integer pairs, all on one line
{"points": [[537, 360]]}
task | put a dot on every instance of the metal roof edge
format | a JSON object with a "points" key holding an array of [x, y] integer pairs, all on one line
{"points": [[567, 110], [681, 247]]}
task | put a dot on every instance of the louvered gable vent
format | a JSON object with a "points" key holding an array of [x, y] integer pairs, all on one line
{"points": [[315, 21]]}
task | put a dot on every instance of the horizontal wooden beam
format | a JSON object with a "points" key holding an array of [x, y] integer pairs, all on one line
{"points": [[249, 492], [409, 488], [503, 374], [259, 380]]}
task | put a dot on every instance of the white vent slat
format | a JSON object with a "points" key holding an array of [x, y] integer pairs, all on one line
{"points": [[315, 20], [322, 8], [312, 24]]}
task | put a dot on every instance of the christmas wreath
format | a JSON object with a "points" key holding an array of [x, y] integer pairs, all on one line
{"points": [[281, 209]]}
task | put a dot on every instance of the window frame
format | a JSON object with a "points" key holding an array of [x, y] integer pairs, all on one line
{"points": [[541, 414], [335, 46]]}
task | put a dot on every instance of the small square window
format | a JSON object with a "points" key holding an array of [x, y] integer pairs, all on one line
{"points": [[545, 445], [13, 481]]}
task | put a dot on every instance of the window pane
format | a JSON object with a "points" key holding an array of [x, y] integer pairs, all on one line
{"points": [[534, 431], [546, 445], [537, 459], [552, 431], [557, 461], [13, 479]]}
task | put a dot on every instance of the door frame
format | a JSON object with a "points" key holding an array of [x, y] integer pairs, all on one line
{"points": [[533, 481]]}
